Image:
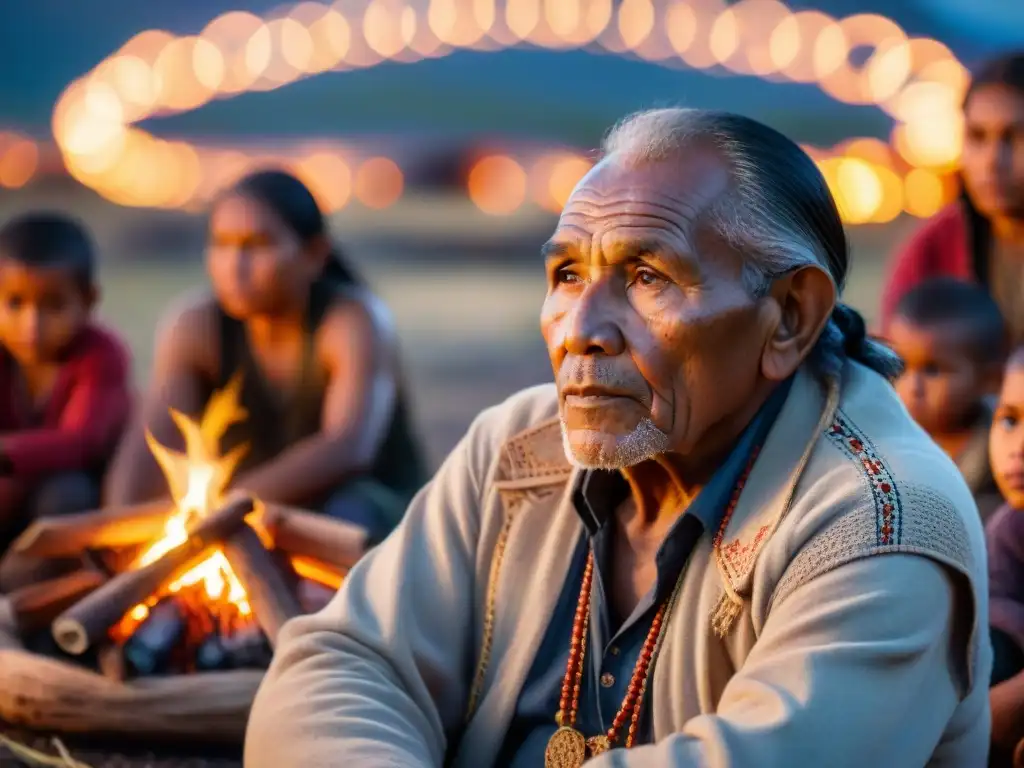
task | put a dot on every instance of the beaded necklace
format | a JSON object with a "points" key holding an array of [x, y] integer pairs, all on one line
{"points": [[568, 747]]}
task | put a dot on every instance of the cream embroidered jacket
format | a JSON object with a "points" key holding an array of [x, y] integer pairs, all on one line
{"points": [[840, 621]]}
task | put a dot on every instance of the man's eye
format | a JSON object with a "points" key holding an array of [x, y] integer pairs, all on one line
{"points": [[647, 277], [566, 275]]}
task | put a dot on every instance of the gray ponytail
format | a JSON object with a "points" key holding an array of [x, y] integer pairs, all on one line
{"points": [[846, 338]]}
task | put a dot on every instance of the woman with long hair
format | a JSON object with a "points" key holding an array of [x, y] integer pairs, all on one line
{"points": [[327, 425], [980, 237]]}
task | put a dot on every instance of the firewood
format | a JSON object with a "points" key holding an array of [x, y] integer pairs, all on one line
{"points": [[150, 648], [323, 573], [272, 599], [69, 535], [9, 634], [36, 605], [89, 620], [111, 662], [46, 694], [308, 534]]}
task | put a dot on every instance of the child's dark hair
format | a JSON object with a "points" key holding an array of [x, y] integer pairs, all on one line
{"points": [[941, 300], [295, 205], [50, 240]]}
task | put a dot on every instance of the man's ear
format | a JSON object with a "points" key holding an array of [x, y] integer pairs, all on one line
{"points": [[805, 298]]}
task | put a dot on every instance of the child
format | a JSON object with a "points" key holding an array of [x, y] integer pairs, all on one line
{"points": [[1004, 537], [64, 381], [328, 427], [952, 339]]}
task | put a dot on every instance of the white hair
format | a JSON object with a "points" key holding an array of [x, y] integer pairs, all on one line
{"points": [[779, 212]]}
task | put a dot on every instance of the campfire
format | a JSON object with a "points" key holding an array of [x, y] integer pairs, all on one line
{"points": [[191, 588]]}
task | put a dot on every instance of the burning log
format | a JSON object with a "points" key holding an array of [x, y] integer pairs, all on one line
{"points": [[89, 619], [301, 533], [36, 605], [69, 535], [318, 571], [150, 648], [272, 599]]}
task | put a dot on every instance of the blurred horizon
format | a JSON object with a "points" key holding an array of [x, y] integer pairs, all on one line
{"points": [[442, 137]]}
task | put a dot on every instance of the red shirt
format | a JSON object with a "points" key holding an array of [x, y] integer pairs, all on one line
{"points": [[939, 248], [84, 416]]}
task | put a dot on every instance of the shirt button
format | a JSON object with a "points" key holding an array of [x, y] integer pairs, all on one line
{"points": [[614, 650], [607, 680]]}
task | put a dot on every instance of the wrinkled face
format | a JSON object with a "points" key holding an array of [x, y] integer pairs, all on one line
{"points": [[652, 336], [1006, 439], [41, 311], [993, 153], [257, 264], [941, 384]]}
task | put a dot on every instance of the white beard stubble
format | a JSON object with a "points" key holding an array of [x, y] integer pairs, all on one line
{"points": [[645, 442]]}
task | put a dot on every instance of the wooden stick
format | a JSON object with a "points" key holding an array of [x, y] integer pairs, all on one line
{"points": [[302, 533], [36, 605], [316, 570], [46, 694], [69, 535], [272, 600], [111, 661], [89, 620]]}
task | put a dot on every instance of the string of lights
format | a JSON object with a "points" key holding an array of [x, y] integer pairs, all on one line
{"points": [[916, 81]]}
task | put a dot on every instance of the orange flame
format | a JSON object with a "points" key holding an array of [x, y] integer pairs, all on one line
{"points": [[198, 479]]}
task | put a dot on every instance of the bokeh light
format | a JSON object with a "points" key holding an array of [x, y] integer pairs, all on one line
{"points": [[497, 185], [860, 59]]}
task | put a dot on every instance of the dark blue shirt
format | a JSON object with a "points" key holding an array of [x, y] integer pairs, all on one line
{"points": [[614, 643]]}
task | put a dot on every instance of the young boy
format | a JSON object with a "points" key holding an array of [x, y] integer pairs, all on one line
{"points": [[64, 381], [952, 338]]}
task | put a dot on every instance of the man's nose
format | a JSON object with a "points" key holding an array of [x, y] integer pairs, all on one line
{"points": [[590, 325]]}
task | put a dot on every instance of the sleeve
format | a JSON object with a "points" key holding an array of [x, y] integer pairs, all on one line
{"points": [[379, 677], [913, 264], [96, 411], [1006, 573], [838, 664]]}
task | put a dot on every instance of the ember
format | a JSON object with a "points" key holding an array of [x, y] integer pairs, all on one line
{"points": [[203, 586]]}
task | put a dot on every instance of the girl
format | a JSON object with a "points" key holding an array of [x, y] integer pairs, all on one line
{"points": [[327, 424], [981, 236]]}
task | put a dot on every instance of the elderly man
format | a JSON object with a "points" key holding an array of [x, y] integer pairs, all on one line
{"points": [[719, 540]]}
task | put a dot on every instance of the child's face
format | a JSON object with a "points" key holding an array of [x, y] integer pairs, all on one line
{"points": [[256, 264], [1006, 440], [941, 384], [41, 311]]}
